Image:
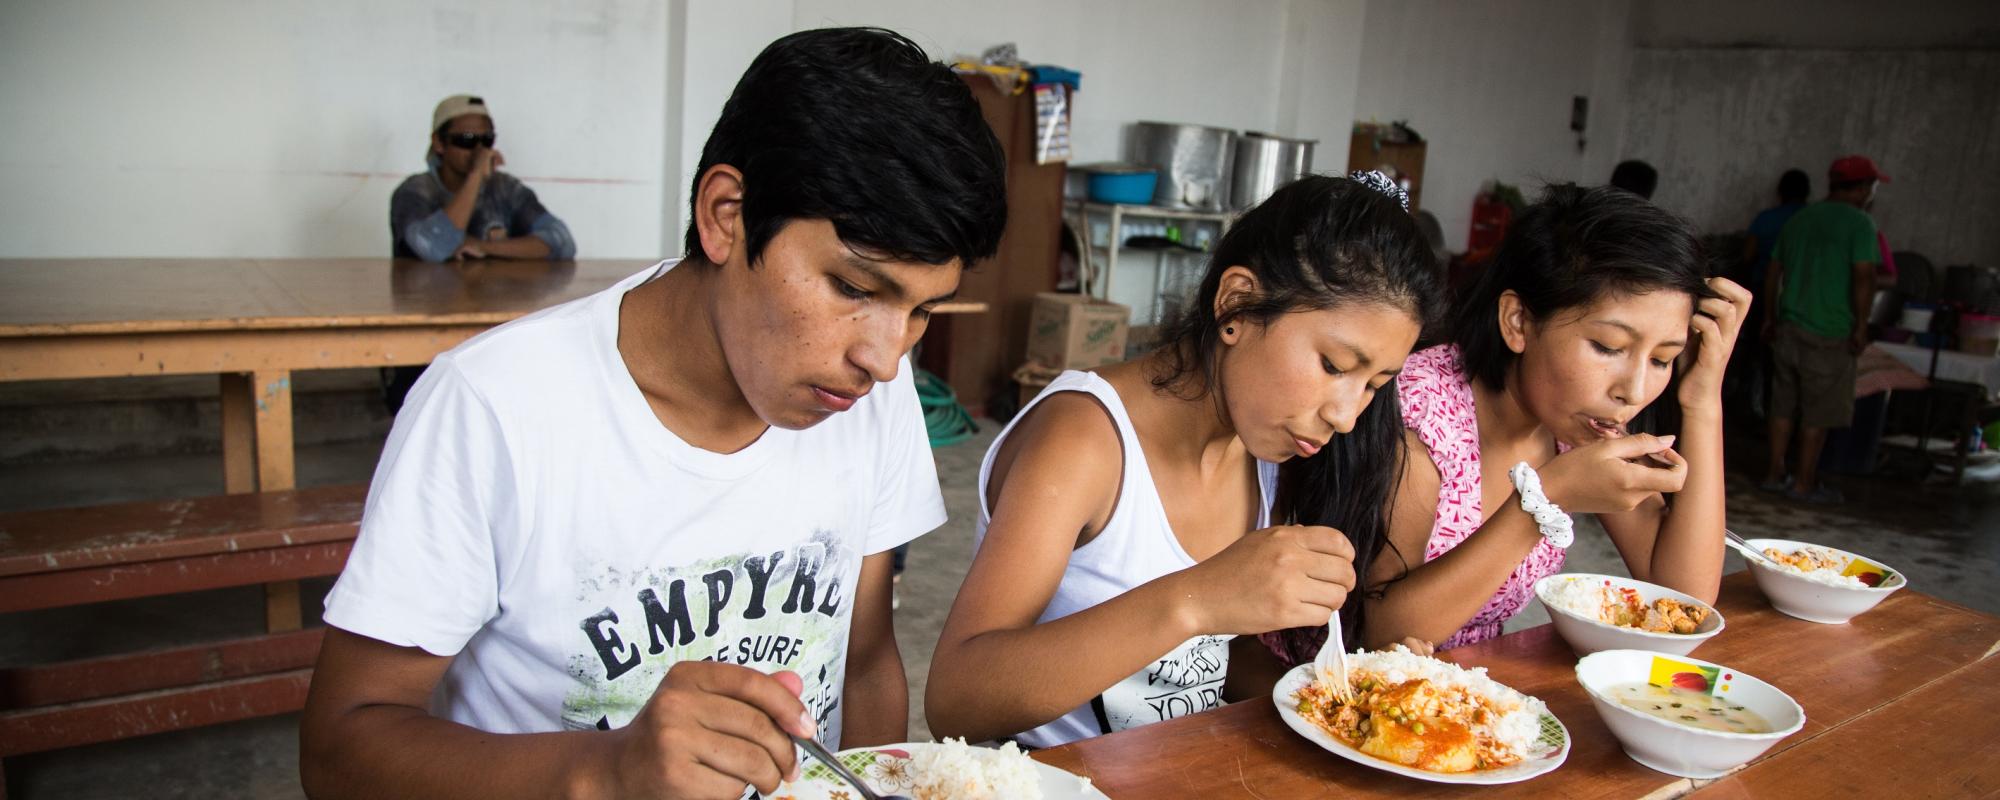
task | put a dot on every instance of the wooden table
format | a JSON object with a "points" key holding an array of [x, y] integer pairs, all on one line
{"points": [[1914, 666], [254, 323]]}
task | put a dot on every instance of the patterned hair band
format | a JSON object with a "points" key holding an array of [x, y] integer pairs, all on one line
{"points": [[1374, 179]]}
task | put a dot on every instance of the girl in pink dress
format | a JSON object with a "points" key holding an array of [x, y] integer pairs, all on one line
{"points": [[1597, 304]]}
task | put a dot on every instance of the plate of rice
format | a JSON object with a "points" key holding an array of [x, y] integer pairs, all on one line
{"points": [[1819, 583], [1423, 718], [947, 770], [1607, 612]]}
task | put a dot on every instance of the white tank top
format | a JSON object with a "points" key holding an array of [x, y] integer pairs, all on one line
{"points": [[1137, 545]]}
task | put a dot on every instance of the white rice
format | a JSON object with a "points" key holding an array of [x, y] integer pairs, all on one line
{"points": [[1829, 576], [1519, 724], [1583, 596], [954, 770]]}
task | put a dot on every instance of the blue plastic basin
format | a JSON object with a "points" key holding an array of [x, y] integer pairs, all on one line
{"points": [[1130, 188]]}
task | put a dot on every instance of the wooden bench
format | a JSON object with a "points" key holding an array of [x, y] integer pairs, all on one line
{"points": [[70, 557]]}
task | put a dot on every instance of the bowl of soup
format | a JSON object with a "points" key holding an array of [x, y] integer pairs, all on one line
{"points": [[1607, 612], [1819, 583], [1685, 716]]}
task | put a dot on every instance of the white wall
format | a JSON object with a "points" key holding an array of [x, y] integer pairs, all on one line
{"points": [[1818, 24], [217, 128], [1190, 61], [1723, 124], [1489, 86], [214, 128]]}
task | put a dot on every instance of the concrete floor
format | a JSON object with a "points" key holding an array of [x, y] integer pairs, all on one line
{"points": [[1946, 539]]}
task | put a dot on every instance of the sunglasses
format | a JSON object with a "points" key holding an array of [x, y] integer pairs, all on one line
{"points": [[468, 141]]}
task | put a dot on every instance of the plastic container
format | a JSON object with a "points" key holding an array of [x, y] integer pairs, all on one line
{"points": [[1122, 183], [1979, 334], [1916, 317]]}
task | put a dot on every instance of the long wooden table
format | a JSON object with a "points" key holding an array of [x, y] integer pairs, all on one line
{"points": [[255, 322], [1893, 701]]}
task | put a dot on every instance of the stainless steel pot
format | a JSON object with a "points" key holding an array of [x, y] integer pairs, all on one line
{"points": [[1265, 162], [1194, 161]]}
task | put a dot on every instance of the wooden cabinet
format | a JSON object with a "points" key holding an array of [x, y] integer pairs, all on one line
{"points": [[976, 352]]}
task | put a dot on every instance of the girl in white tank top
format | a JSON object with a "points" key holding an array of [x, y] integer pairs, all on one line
{"points": [[1137, 545], [1126, 528]]}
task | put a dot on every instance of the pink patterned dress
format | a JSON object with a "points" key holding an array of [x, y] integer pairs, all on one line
{"points": [[1436, 395]]}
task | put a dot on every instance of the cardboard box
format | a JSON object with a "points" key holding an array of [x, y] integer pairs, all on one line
{"points": [[1074, 331], [1033, 378]]}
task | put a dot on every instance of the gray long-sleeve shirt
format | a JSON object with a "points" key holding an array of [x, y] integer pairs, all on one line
{"points": [[420, 228]]}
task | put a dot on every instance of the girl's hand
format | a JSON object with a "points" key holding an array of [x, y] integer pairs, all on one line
{"points": [[1613, 475], [1289, 576], [1716, 323]]}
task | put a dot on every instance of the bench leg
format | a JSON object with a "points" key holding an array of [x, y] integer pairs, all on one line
{"points": [[257, 456]]}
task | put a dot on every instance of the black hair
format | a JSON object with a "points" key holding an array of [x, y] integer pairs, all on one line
{"points": [[1571, 248], [1848, 186], [858, 127], [1317, 243], [1794, 186], [1635, 176]]}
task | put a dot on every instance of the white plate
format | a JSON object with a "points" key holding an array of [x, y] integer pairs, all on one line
{"points": [[1554, 743], [882, 768]]}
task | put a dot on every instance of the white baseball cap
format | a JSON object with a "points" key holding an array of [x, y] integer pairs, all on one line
{"points": [[456, 106]]}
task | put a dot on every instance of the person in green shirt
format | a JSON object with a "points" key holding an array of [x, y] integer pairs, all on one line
{"points": [[1822, 273]]}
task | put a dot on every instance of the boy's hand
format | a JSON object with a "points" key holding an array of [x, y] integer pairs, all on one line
{"points": [[709, 730], [1287, 576]]}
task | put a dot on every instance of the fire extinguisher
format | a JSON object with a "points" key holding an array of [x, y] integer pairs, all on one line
{"points": [[1490, 217]]}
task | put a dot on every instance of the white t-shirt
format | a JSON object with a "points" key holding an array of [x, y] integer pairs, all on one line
{"points": [[533, 519]]}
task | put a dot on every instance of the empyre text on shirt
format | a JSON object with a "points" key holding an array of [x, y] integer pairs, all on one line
{"points": [[669, 619]]}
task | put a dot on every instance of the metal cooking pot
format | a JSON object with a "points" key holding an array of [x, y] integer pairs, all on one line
{"points": [[1194, 161], [1265, 162]]}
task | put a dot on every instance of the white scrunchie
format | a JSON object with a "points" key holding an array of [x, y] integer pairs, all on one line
{"points": [[1374, 179], [1555, 524]]}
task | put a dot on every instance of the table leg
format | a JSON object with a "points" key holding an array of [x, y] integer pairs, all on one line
{"points": [[257, 456], [273, 394], [239, 434]]}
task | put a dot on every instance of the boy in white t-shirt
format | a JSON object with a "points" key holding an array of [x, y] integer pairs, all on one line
{"points": [[623, 546]]}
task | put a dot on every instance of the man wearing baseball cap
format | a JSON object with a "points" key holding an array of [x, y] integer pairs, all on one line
{"points": [[1823, 274], [464, 206]]}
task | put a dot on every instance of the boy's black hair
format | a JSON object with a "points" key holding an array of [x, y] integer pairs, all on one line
{"points": [[1794, 186], [1320, 242], [1848, 186], [1571, 248], [1635, 176], [858, 127]]}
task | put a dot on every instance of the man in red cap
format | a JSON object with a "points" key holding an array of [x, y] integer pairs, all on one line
{"points": [[1823, 274]]}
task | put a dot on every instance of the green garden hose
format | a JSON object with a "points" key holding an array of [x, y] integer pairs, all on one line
{"points": [[944, 419]]}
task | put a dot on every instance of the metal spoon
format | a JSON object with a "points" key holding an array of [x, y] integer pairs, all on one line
{"points": [[819, 752], [1744, 547]]}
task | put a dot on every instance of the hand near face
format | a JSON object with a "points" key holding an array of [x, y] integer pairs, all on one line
{"points": [[485, 160], [1716, 322], [1614, 475]]}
